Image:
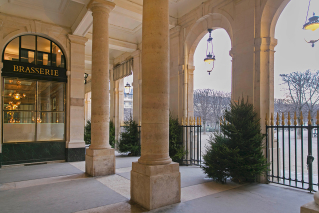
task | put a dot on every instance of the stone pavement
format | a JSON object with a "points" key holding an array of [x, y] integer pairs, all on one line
{"points": [[64, 187]]}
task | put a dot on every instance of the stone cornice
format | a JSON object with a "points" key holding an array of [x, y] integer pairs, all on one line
{"points": [[77, 39]]}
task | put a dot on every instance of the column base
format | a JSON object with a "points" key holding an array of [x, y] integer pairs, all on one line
{"points": [[311, 207], [100, 162], [154, 186]]}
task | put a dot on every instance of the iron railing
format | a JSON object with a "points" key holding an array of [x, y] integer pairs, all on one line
{"points": [[290, 150], [192, 141]]}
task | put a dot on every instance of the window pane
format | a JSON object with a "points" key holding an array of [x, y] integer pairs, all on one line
{"points": [[27, 56], [44, 59], [57, 56], [43, 45], [18, 126], [19, 94], [12, 50], [28, 42], [50, 126], [50, 96]]}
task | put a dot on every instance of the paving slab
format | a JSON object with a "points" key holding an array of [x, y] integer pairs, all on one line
{"points": [[70, 196], [261, 198], [190, 175], [125, 161], [22, 173]]}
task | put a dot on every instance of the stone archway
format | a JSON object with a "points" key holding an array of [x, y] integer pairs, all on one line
{"points": [[196, 33]]}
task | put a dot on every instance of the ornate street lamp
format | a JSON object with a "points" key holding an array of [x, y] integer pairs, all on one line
{"points": [[127, 88], [210, 57], [311, 24]]}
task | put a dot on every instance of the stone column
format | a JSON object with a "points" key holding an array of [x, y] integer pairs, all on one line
{"points": [[100, 157], [137, 87], [264, 87], [118, 107], [190, 92], [75, 146], [155, 180], [1, 65]]}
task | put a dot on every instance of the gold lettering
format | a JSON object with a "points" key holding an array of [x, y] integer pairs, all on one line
{"points": [[32, 69], [51, 72], [56, 72], [37, 70], [21, 69], [47, 72], [27, 70], [41, 71], [15, 68]]}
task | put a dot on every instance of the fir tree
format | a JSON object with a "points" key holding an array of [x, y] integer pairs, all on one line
{"points": [[129, 141], [237, 151], [112, 134], [87, 132], [176, 149]]}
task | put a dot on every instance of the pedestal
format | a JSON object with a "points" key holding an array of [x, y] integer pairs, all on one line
{"points": [[100, 162], [154, 186]]}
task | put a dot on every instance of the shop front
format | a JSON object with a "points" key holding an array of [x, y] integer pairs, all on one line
{"points": [[34, 83]]}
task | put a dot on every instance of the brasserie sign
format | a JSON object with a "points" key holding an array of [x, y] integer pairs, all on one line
{"points": [[31, 71]]}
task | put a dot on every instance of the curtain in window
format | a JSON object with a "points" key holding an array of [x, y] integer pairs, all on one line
{"points": [[123, 70]]}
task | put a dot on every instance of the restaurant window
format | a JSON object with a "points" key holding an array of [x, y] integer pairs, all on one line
{"points": [[33, 110], [33, 49]]}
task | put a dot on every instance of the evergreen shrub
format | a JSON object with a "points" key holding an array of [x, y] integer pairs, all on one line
{"points": [[236, 152], [129, 141], [87, 133], [176, 149]]}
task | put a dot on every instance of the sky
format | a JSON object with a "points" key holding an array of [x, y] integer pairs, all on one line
{"points": [[292, 52]]}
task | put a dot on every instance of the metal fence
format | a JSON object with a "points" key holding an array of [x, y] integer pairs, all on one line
{"points": [[192, 141], [292, 152]]}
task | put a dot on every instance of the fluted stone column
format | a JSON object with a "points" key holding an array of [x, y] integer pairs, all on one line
{"points": [[100, 157], [155, 179]]}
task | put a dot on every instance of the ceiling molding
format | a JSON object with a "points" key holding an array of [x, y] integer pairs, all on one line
{"points": [[83, 23], [116, 44]]}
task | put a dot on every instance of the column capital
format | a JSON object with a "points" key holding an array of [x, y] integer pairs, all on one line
{"points": [[108, 6], [77, 39], [265, 44]]}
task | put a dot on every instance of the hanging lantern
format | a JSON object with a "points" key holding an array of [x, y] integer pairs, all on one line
{"points": [[311, 25], [127, 88], [210, 57]]}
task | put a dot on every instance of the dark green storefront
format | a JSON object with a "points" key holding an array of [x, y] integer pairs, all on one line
{"points": [[33, 103]]}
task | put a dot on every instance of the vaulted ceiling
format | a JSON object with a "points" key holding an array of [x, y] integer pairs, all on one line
{"points": [[125, 22]]}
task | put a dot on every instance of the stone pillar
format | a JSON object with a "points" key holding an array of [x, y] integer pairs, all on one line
{"points": [[100, 157], [264, 85], [1, 66], [137, 87], [118, 107], [75, 145], [190, 92], [174, 72], [155, 180]]}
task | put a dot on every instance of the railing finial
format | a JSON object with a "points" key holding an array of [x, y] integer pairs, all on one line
{"points": [[289, 123], [283, 119], [295, 119], [182, 121], [301, 118], [272, 119], [318, 117], [266, 119], [277, 119], [309, 119]]}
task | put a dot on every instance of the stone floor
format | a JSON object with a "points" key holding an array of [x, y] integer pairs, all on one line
{"points": [[63, 187]]}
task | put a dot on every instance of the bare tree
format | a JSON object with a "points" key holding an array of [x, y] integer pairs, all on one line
{"points": [[303, 90], [210, 105]]}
